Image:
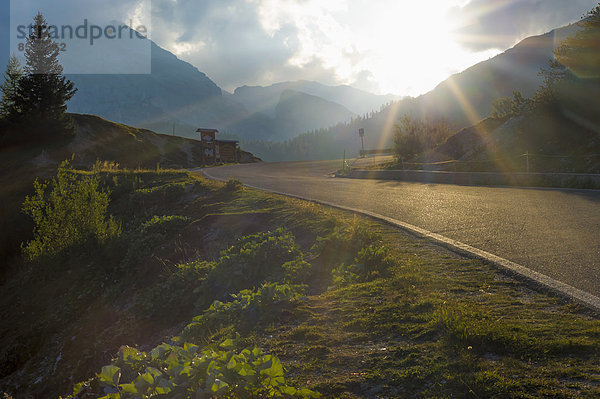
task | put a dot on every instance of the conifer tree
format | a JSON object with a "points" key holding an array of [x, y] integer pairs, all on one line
{"points": [[10, 89], [43, 90]]}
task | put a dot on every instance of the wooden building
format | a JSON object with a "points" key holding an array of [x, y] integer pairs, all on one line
{"points": [[217, 151]]}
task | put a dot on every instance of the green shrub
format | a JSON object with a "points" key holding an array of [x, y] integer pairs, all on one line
{"points": [[375, 260], [248, 309], [67, 212], [253, 260], [296, 272], [105, 166], [189, 371], [346, 274]]}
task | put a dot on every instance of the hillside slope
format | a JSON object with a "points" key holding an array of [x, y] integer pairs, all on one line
{"points": [[351, 307], [95, 139], [466, 98], [500, 145]]}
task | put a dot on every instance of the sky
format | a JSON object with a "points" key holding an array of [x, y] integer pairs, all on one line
{"points": [[382, 46]]}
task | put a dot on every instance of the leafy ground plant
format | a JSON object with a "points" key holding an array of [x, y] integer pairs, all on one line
{"points": [[249, 308], [189, 371]]}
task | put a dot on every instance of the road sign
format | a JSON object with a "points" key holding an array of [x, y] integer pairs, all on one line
{"points": [[361, 133]]}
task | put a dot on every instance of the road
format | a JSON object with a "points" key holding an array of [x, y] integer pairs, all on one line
{"points": [[554, 232]]}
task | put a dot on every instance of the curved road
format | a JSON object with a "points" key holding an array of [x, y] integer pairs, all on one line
{"points": [[554, 232]]}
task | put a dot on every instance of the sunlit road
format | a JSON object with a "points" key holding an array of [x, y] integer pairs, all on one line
{"points": [[554, 232]]}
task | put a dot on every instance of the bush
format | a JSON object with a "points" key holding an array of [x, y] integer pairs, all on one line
{"points": [[508, 107], [105, 166], [413, 137], [67, 212], [253, 260], [296, 272], [345, 274], [248, 309], [375, 260]]}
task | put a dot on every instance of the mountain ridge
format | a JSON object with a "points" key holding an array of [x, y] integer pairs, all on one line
{"points": [[461, 101], [178, 94], [356, 100]]}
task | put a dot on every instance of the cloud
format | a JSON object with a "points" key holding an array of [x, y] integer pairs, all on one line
{"points": [[499, 24], [238, 42], [388, 46], [235, 42]]}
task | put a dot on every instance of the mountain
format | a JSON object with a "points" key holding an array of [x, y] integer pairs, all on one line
{"points": [[176, 96], [175, 91], [265, 99], [295, 113], [558, 131], [461, 100]]}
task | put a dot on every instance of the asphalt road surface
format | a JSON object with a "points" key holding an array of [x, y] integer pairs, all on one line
{"points": [[554, 232]]}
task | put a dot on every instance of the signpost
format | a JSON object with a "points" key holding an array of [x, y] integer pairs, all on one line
{"points": [[361, 133]]}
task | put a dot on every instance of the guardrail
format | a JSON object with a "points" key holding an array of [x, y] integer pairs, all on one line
{"points": [[385, 151], [563, 180]]}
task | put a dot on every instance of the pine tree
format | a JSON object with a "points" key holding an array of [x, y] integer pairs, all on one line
{"points": [[10, 89], [44, 91]]}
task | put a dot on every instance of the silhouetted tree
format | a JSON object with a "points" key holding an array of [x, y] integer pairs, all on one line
{"points": [[520, 104], [501, 107], [413, 137], [43, 90]]}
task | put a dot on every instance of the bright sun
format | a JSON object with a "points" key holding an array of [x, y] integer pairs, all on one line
{"points": [[406, 48], [413, 43], [415, 47]]}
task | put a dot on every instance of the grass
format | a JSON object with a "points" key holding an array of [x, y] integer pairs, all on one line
{"points": [[436, 325], [440, 327]]}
